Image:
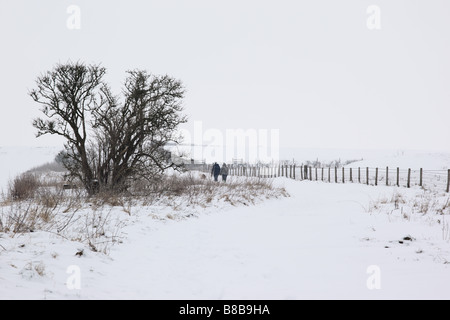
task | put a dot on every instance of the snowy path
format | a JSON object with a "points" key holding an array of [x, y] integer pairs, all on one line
{"points": [[316, 244]]}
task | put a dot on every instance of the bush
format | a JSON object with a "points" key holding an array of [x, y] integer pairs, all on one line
{"points": [[23, 186]]}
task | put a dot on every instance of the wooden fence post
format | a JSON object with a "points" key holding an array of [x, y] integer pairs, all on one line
{"points": [[409, 178], [359, 175], [310, 173], [329, 174], [335, 174], [448, 181], [322, 173], [367, 175], [376, 176], [343, 175], [351, 175], [316, 173], [398, 177], [301, 172], [387, 176], [421, 175]]}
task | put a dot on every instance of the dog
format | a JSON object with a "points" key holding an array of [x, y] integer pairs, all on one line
{"points": [[203, 176]]}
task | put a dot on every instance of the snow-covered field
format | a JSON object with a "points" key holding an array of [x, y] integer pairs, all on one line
{"points": [[325, 241], [405, 160], [428, 160]]}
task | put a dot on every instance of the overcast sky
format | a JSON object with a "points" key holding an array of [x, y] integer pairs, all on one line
{"points": [[312, 69]]}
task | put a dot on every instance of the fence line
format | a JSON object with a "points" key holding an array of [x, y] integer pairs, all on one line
{"points": [[433, 179]]}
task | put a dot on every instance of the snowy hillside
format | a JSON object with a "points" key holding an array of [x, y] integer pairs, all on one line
{"points": [[372, 158], [320, 243], [324, 241], [408, 159]]}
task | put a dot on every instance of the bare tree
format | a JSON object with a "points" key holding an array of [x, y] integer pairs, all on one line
{"points": [[109, 141], [131, 136]]}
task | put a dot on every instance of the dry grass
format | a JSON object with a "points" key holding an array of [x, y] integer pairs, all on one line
{"points": [[191, 190], [430, 206], [34, 205]]}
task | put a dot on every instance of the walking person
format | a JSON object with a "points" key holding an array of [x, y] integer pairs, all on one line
{"points": [[215, 171], [224, 172]]}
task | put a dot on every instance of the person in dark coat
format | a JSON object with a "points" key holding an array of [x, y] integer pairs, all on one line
{"points": [[215, 171], [224, 172]]}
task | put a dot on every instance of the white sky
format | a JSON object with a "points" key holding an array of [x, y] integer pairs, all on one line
{"points": [[309, 68]]}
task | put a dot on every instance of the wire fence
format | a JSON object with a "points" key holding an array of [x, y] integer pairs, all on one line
{"points": [[387, 176]]}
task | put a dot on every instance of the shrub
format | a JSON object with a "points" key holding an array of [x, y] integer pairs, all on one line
{"points": [[23, 186]]}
